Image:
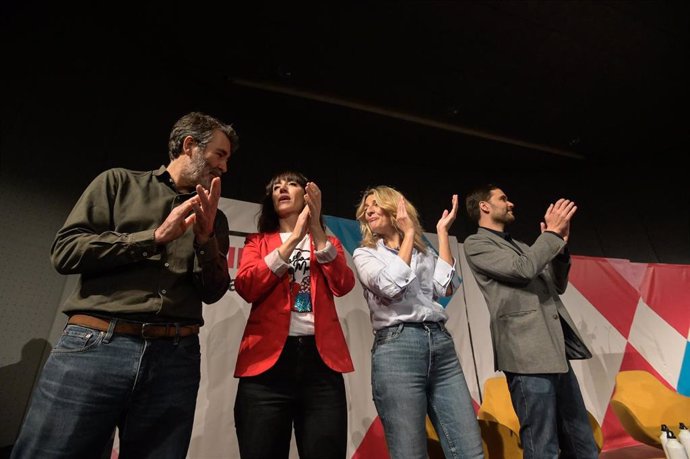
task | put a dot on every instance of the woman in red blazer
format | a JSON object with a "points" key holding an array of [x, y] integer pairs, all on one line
{"points": [[293, 351]]}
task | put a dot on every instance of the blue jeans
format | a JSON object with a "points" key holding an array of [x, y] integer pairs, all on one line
{"points": [[299, 389], [415, 371], [94, 381], [553, 419]]}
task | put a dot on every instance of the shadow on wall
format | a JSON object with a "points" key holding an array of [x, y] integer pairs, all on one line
{"points": [[16, 383]]}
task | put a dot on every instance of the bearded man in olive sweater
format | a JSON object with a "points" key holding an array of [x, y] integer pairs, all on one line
{"points": [[150, 248]]}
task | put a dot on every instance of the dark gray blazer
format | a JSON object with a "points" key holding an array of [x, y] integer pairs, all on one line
{"points": [[521, 289]]}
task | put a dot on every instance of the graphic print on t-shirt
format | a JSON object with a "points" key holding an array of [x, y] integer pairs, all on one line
{"points": [[299, 268]]}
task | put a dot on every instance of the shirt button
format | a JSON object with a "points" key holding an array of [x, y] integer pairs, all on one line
{"points": [[555, 316], [164, 291], [146, 254], [167, 264], [202, 252]]}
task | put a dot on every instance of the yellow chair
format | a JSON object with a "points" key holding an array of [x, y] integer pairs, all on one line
{"points": [[642, 403], [493, 441], [500, 425]]}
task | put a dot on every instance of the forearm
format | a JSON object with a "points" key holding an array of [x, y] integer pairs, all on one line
{"points": [[78, 250], [213, 279], [444, 252], [318, 236]]}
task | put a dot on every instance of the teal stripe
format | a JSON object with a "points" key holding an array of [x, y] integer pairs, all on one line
{"points": [[684, 380], [346, 230]]}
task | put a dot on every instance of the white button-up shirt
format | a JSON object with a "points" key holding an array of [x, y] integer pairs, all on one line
{"points": [[396, 292]]}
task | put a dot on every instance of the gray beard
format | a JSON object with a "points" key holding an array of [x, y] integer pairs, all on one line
{"points": [[198, 172]]}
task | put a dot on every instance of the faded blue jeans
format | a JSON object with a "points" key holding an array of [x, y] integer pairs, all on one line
{"points": [[415, 372], [94, 381], [553, 419]]}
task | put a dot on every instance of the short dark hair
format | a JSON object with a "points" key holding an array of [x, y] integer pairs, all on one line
{"points": [[474, 197], [200, 127]]}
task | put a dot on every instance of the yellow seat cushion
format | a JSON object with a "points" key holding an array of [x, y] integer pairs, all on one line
{"points": [[642, 403]]}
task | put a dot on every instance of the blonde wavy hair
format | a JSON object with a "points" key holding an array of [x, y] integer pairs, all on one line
{"points": [[387, 199]]}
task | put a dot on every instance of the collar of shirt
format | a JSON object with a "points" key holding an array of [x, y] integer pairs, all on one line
{"points": [[164, 176]]}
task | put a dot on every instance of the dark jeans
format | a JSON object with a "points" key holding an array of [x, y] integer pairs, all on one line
{"points": [[553, 419], [94, 381], [298, 389]]}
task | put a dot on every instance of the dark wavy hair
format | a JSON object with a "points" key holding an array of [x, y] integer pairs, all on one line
{"points": [[201, 127], [267, 219]]}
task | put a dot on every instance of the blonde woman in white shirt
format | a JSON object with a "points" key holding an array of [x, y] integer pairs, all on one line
{"points": [[415, 369]]}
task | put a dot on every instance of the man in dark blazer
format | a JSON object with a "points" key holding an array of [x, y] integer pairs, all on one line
{"points": [[532, 333]]}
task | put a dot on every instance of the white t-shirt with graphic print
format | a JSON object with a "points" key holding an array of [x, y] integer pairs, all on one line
{"points": [[302, 318]]}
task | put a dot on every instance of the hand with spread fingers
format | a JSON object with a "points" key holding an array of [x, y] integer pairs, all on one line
{"points": [[150, 252], [205, 208], [177, 223]]}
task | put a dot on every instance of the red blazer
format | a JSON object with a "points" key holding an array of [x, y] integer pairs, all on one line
{"points": [[269, 320]]}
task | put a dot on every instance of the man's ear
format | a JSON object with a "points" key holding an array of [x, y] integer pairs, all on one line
{"points": [[188, 145], [484, 206]]}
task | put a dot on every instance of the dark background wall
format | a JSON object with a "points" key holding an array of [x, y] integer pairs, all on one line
{"points": [[85, 89]]}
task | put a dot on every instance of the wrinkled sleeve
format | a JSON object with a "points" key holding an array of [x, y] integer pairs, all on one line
{"points": [[488, 257], [561, 268], [212, 279], [87, 242], [254, 277], [337, 273], [386, 280]]}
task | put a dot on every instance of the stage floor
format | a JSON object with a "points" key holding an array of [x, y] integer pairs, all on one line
{"points": [[634, 452]]}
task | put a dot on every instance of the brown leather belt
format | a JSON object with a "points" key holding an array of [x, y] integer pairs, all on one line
{"points": [[144, 330]]}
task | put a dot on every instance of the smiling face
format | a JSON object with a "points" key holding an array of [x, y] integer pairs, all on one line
{"points": [[211, 162], [499, 208], [377, 218], [288, 197]]}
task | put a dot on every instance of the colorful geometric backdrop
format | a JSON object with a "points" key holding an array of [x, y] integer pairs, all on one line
{"points": [[632, 316]]}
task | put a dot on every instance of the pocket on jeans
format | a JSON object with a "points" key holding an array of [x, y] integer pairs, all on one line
{"points": [[386, 335], [190, 347], [78, 339]]}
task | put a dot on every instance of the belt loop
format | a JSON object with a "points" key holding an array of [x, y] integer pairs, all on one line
{"points": [[177, 333], [401, 327], [111, 330]]}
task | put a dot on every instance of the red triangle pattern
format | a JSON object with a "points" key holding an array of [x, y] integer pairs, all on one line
{"points": [[373, 444], [666, 289], [615, 435], [605, 289]]}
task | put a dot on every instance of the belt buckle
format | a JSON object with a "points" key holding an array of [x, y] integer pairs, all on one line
{"points": [[144, 326]]}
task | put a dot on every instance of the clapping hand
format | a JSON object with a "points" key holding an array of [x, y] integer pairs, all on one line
{"points": [[448, 217]]}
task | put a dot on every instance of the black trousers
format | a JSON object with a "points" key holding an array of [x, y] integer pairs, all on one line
{"points": [[298, 390]]}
